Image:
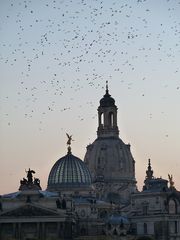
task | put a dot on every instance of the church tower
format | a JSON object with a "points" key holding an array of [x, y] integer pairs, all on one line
{"points": [[109, 159]]}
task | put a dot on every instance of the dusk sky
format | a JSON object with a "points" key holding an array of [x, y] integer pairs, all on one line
{"points": [[55, 59]]}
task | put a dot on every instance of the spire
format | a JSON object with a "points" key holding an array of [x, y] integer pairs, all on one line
{"points": [[107, 90], [149, 172]]}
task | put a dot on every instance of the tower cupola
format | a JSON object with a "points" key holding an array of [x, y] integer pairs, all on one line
{"points": [[107, 116]]}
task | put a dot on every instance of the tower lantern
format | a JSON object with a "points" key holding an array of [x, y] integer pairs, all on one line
{"points": [[107, 116]]}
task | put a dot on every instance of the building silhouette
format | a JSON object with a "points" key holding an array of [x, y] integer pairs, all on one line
{"points": [[96, 198]]}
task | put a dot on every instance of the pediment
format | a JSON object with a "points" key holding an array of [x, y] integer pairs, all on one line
{"points": [[29, 210]]}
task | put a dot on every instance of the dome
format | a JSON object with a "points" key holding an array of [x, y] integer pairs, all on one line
{"points": [[69, 172], [112, 158], [107, 100]]}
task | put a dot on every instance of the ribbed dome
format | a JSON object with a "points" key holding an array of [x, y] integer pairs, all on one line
{"points": [[107, 100], [69, 171]]}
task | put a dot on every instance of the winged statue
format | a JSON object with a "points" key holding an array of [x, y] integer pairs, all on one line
{"points": [[69, 139]]}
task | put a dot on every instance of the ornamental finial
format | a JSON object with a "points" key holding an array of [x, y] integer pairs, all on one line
{"points": [[149, 172], [69, 142]]}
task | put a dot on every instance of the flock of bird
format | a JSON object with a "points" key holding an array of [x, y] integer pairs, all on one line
{"points": [[59, 48]]}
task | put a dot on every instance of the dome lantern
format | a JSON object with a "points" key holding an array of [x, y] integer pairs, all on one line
{"points": [[107, 116]]}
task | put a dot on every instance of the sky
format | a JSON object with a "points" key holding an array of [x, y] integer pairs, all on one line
{"points": [[55, 59]]}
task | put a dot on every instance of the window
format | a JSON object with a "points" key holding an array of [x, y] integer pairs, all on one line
{"points": [[102, 119], [157, 200], [176, 227], [145, 228], [133, 202], [172, 207], [145, 210], [173, 227], [111, 119]]}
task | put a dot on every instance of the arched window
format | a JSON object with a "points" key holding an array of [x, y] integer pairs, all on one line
{"points": [[102, 119], [172, 207], [145, 228], [111, 119]]}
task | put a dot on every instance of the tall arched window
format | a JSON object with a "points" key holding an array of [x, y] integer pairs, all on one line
{"points": [[102, 119], [111, 119], [172, 207]]}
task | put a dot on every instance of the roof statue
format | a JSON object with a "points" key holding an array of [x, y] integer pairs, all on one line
{"points": [[69, 139], [171, 182], [30, 183], [30, 175], [69, 142]]}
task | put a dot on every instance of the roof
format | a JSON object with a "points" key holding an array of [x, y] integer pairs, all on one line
{"points": [[107, 100]]}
